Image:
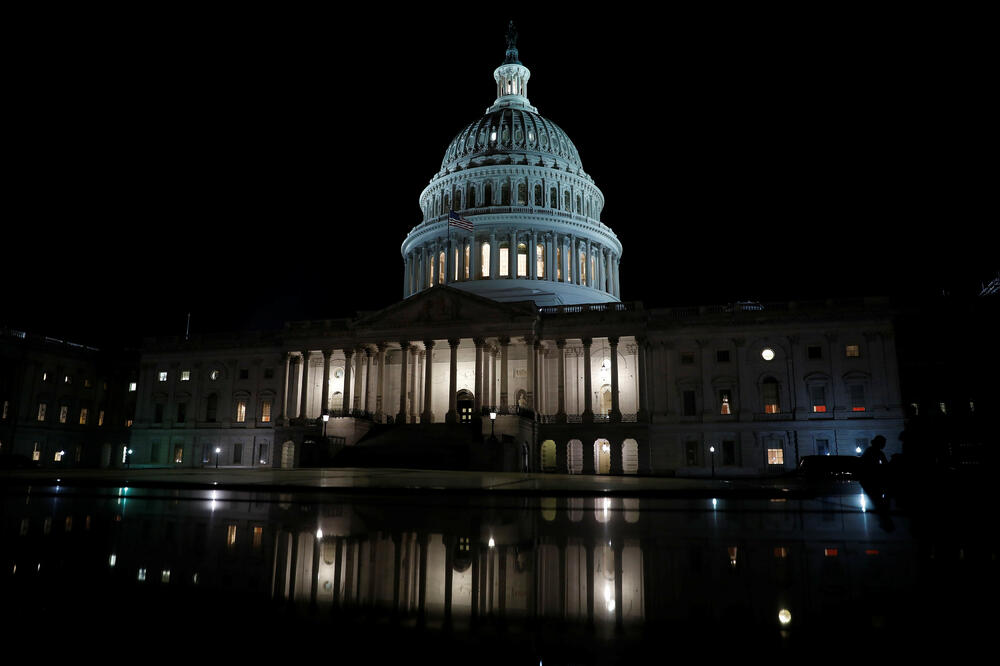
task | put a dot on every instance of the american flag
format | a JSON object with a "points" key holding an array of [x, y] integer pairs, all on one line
{"points": [[456, 220]]}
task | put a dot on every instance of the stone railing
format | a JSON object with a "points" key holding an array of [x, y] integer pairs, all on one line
{"points": [[590, 307]]}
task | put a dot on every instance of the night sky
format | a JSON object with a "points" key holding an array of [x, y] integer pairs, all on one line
{"points": [[257, 168]]}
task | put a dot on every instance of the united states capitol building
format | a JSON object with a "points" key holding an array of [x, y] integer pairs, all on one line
{"points": [[513, 305]]}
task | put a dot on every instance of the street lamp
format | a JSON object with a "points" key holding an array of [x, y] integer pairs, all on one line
{"points": [[493, 421], [326, 417], [218, 450], [128, 460], [711, 450]]}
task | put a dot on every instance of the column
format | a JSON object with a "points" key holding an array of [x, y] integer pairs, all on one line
{"points": [[452, 416], [368, 374], [550, 257], [461, 259], [504, 343], [564, 259], [475, 255], [575, 259], [284, 393], [494, 256], [561, 382], [588, 406], [590, 267], [404, 346], [493, 377], [533, 257], [325, 389], [413, 390], [640, 344], [616, 414], [512, 252], [406, 277], [532, 350], [479, 372], [358, 359], [449, 260], [380, 383], [618, 287], [348, 353], [305, 385], [428, 414]]}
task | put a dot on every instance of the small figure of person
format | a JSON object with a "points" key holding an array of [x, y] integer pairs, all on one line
{"points": [[873, 457]]}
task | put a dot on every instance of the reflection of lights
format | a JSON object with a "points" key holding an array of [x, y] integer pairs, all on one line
{"points": [[214, 495], [492, 543], [609, 598], [715, 503], [784, 616], [319, 533], [862, 500], [607, 507], [142, 574]]}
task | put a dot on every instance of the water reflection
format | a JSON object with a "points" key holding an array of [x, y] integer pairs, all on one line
{"points": [[615, 566]]}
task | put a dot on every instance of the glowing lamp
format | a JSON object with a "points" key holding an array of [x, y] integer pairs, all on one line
{"points": [[784, 616]]}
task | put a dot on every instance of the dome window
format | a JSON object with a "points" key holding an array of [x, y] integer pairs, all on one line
{"points": [[531, 136], [493, 135]]}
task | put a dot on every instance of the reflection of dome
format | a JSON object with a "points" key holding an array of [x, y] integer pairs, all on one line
{"points": [[522, 134], [511, 215]]}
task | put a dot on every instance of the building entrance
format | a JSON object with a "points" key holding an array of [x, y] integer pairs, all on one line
{"points": [[466, 402]]}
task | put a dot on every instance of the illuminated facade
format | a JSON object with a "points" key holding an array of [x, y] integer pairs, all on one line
{"points": [[522, 313]]}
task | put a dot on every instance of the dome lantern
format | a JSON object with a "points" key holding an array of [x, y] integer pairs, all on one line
{"points": [[512, 78]]}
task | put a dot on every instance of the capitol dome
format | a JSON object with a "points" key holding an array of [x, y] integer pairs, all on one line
{"points": [[511, 214]]}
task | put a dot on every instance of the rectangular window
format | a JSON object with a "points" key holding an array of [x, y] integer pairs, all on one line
{"points": [[857, 397], [770, 395], [231, 535], [504, 265], [817, 396], [775, 456], [814, 352], [241, 411], [41, 411], [822, 447], [181, 412], [558, 264], [100, 418], [131, 387], [163, 376], [691, 453], [722, 356], [724, 401], [522, 263], [265, 411], [258, 536], [58, 456], [36, 453], [238, 453], [852, 351], [728, 452], [63, 413], [178, 454], [185, 375], [83, 415], [690, 408], [158, 413], [687, 358], [540, 261]]}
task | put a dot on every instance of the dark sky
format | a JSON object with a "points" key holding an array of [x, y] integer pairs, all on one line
{"points": [[258, 168]]}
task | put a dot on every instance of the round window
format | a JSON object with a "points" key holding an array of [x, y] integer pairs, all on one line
{"points": [[767, 354], [338, 373]]}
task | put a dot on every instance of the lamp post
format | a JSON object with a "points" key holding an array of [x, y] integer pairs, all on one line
{"points": [[128, 460], [711, 450], [493, 421], [326, 417], [218, 450]]}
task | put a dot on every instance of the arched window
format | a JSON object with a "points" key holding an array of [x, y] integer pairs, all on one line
{"points": [[553, 198], [583, 267], [630, 456], [566, 204], [769, 395], [484, 262], [522, 260], [574, 456], [559, 270], [504, 259], [471, 197], [548, 456], [538, 195], [522, 194], [579, 204], [602, 456], [446, 204], [441, 261], [458, 199], [488, 194], [540, 261], [505, 194]]}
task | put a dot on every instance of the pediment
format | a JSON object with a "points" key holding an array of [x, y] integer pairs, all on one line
{"points": [[442, 306]]}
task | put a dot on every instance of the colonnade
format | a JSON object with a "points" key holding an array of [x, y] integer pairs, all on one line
{"points": [[564, 258]]}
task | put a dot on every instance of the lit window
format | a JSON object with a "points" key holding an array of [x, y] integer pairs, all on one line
{"points": [[86, 383], [83, 415], [185, 375], [829, 552], [178, 454], [265, 411], [769, 389], [58, 456], [213, 375], [817, 395], [100, 418], [263, 454], [63, 413], [241, 411], [857, 397], [775, 456], [822, 447], [780, 552], [131, 387], [67, 379], [258, 536], [142, 574], [128, 423], [467, 269], [231, 535], [540, 261], [724, 402], [522, 260], [41, 411], [943, 408], [36, 453], [504, 261], [165, 576], [767, 354], [45, 376], [916, 408], [852, 351], [163, 376]]}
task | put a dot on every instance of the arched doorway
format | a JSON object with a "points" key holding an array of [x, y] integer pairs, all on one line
{"points": [[548, 456], [465, 403], [605, 399], [288, 455], [630, 456], [602, 456], [574, 456]]}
